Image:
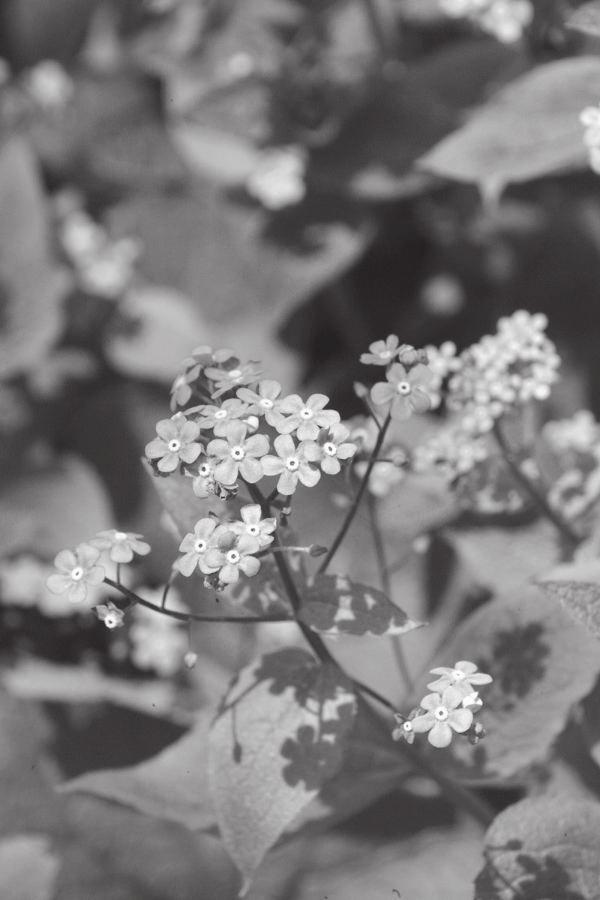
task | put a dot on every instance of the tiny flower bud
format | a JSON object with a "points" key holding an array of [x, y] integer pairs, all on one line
{"points": [[360, 390], [190, 659]]}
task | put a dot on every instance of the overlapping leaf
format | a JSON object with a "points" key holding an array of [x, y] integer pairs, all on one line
{"points": [[336, 605]]}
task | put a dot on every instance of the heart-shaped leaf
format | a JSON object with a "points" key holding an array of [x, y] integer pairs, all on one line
{"points": [[336, 605]]}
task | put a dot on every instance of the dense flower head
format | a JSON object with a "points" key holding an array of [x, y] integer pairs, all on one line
{"points": [[77, 570], [506, 20], [404, 391], [176, 443], [121, 545]]}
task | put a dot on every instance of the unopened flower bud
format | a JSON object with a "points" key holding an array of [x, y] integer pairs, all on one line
{"points": [[190, 659], [317, 550], [361, 390]]}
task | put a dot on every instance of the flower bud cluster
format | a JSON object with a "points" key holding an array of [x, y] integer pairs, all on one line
{"points": [[450, 708], [506, 20], [103, 267]]}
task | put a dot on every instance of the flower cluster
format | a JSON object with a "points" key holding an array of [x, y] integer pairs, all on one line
{"points": [[407, 378], [244, 429], [103, 267], [506, 20], [449, 709], [590, 119]]}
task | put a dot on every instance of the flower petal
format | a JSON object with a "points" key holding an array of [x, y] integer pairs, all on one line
{"points": [[440, 735], [460, 720], [420, 724]]}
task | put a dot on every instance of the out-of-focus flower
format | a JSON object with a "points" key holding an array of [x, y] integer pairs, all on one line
{"points": [[443, 295], [231, 375], [381, 353], [49, 85], [278, 180], [176, 443], [76, 570], [158, 642], [506, 20], [122, 545]]}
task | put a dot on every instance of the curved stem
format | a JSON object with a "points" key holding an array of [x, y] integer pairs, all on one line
{"points": [[356, 503], [563, 527], [189, 617]]}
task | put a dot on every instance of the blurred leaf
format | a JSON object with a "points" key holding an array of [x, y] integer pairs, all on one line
{"points": [[280, 735], [542, 848], [586, 19], [373, 155], [27, 868], [179, 500], [507, 140], [232, 260], [53, 508], [172, 785], [505, 558], [542, 664], [577, 587], [30, 285], [165, 329], [33, 30], [335, 605], [222, 156]]}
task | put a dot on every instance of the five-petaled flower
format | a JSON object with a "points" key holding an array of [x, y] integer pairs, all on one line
{"points": [[253, 524], [264, 401], [195, 546], [121, 545], [305, 417], [463, 676], [238, 454], [330, 449], [76, 570], [381, 353], [220, 417], [110, 614], [234, 374], [406, 391], [443, 715], [291, 465], [232, 554], [176, 443]]}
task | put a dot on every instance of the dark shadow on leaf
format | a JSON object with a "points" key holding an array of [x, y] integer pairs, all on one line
{"points": [[538, 879], [517, 662]]}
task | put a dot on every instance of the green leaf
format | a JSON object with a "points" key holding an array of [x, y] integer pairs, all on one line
{"points": [[542, 848], [31, 287], [577, 587], [586, 19], [172, 785], [280, 735], [336, 605], [53, 508], [527, 130], [542, 664]]}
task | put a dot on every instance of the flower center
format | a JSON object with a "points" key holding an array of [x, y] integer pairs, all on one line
{"points": [[120, 536], [252, 529], [403, 387], [441, 713], [330, 449], [306, 413], [235, 373], [204, 470], [174, 445], [237, 453], [407, 726], [385, 354], [221, 414], [199, 546], [77, 573], [266, 403], [292, 463], [233, 557], [457, 675], [111, 620]]}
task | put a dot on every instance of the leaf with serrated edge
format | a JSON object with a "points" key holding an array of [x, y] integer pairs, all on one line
{"points": [[542, 664], [542, 848], [336, 605], [279, 737], [577, 587]]}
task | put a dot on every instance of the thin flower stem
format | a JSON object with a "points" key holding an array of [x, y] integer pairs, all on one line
{"points": [[168, 585], [356, 503], [365, 689], [188, 617], [118, 575], [386, 585], [563, 527]]}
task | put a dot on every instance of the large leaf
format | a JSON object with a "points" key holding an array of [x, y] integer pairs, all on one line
{"points": [[279, 736], [542, 663], [30, 286], [53, 508], [586, 19], [529, 129], [577, 586], [335, 605], [542, 848]]}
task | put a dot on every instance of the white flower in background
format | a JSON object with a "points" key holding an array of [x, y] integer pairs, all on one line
{"points": [[158, 642], [49, 85], [278, 180], [506, 20]]}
